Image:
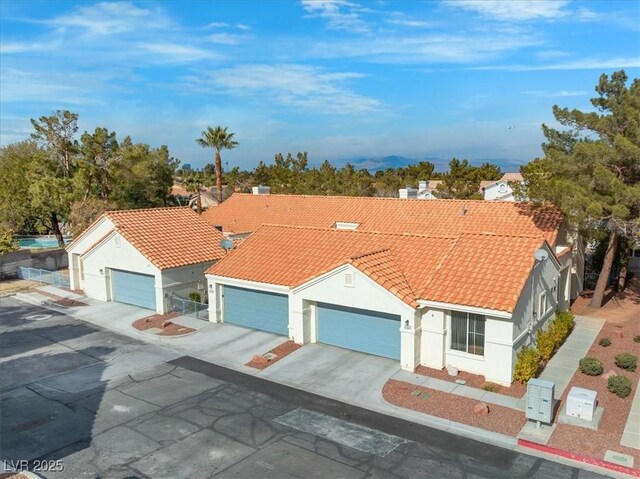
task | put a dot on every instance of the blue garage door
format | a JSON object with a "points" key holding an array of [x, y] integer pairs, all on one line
{"points": [[257, 309], [359, 329], [133, 288]]}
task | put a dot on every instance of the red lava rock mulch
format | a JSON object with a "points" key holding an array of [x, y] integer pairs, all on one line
{"points": [[617, 307], [616, 409], [454, 408], [516, 390], [157, 321], [280, 351], [13, 475], [68, 302]]}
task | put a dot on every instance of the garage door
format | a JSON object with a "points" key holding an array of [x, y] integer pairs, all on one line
{"points": [[359, 329], [133, 288], [257, 309]]}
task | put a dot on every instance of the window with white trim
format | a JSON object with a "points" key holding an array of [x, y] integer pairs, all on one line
{"points": [[543, 305], [467, 332]]}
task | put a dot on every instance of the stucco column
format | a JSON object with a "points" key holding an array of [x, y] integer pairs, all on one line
{"points": [[408, 348], [296, 319], [214, 301], [433, 339]]}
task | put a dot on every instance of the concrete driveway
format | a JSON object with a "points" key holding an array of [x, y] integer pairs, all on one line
{"points": [[111, 406], [334, 372]]}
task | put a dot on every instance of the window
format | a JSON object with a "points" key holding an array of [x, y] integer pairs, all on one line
{"points": [[467, 332], [543, 305]]}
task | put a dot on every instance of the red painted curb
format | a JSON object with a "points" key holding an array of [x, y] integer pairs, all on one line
{"points": [[577, 457]]}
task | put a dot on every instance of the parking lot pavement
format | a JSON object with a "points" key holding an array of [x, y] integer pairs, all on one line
{"points": [[112, 407]]}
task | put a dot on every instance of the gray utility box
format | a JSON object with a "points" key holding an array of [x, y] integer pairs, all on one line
{"points": [[540, 400]]}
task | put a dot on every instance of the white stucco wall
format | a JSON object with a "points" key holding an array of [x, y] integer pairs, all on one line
{"points": [[436, 350], [499, 191], [364, 294], [84, 242], [108, 255], [184, 280]]}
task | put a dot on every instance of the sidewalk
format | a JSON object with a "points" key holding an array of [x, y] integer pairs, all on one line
{"points": [[461, 390], [564, 363]]}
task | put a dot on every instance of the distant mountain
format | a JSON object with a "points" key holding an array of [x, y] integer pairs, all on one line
{"points": [[442, 164]]}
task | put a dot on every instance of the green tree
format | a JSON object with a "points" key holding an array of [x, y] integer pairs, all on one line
{"points": [[461, 181], [8, 243], [219, 139], [591, 169], [57, 133], [98, 151], [194, 183]]}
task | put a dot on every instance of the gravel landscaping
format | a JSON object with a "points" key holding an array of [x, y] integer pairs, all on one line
{"points": [[454, 408], [516, 390], [273, 356], [163, 322], [616, 409], [67, 302]]}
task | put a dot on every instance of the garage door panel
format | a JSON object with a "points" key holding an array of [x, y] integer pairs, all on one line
{"points": [[358, 329], [257, 309], [133, 288]]}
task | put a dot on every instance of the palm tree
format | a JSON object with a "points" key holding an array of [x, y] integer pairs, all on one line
{"points": [[219, 139], [193, 184]]}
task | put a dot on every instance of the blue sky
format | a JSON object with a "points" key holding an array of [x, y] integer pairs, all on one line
{"points": [[343, 79]]}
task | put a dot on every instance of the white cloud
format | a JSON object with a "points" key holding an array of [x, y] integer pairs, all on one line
{"points": [[227, 38], [52, 88], [426, 49], [553, 94], [25, 47], [339, 14], [513, 11], [110, 18], [216, 25], [178, 53], [581, 64], [307, 87], [242, 26]]}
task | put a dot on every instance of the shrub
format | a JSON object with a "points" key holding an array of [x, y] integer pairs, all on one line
{"points": [[626, 361], [619, 385], [562, 326], [546, 343], [591, 366], [195, 296], [604, 342], [527, 364], [636, 338], [491, 387]]}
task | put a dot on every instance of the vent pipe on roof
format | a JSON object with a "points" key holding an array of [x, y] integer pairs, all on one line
{"points": [[408, 192], [463, 210], [261, 190]]}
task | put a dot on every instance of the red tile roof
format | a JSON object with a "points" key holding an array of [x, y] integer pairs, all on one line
{"points": [[167, 237], [481, 270], [244, 213]]}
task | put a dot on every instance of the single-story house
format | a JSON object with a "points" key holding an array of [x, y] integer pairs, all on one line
{"points": [[501, 189], [439, 283], [142, 256]]}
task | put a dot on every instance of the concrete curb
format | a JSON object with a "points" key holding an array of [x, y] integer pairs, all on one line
{"points": [[599, 463]]}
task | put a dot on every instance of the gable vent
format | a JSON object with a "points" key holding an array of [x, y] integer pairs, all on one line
{"points": [[116, 241], [349, 279]]}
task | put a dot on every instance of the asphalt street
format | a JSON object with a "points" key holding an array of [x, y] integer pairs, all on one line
{"points": [[108, 406]]}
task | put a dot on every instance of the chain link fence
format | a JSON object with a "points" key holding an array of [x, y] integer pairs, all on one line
{"points": [[45, 276], [186, 307]]}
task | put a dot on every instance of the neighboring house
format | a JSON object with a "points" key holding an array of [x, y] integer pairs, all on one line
{"points": [[501, 189], [425, 190], [141, 257], [180, 194], [207, 200], [439, 283]]}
